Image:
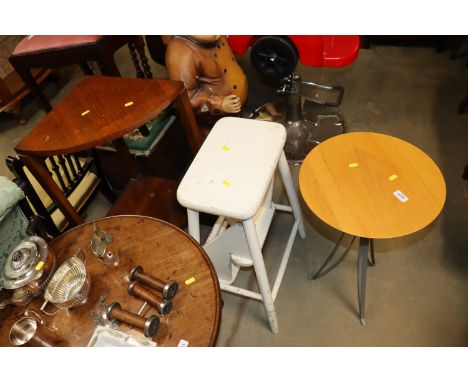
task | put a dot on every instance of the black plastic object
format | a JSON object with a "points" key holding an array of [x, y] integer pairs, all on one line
{"points": [[274, 57]]}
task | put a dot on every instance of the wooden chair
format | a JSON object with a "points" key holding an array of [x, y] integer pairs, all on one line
{"points": [[76, 177], [56, 51], [79, 178], [12, 88]]}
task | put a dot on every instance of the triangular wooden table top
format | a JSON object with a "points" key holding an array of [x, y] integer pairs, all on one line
{"points": [[99, 109]]}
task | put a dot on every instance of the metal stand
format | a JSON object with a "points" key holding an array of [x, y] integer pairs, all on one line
{"points": [[322, 270], [372, 259], [306, 126], [363, 261], [362, 268]]}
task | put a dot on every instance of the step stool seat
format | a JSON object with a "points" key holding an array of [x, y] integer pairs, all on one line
{"points": [[233, 169]]}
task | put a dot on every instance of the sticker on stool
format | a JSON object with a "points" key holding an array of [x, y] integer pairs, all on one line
{"points": [[400, 196]]}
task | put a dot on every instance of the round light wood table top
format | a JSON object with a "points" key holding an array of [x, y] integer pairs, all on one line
{"points": [[349, 182], [163, 251]]}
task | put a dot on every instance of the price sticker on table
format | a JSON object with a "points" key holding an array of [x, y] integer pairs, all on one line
{"points": [[189, 281], [401, 196], [183, 344], [39, 265]]}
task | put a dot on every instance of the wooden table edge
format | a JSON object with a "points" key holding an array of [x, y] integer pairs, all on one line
{"points": [[177, 94], [379, 237], [217, 321]]}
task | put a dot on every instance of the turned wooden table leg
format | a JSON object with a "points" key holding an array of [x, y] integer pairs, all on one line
{"points": [[140, 48], [135, 60]]}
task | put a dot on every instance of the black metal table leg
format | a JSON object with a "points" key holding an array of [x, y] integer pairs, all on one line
{"points": [[322, 271], [371, 261], [362, 268], [363, 262]]}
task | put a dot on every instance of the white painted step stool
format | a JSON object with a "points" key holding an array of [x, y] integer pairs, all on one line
{"points": [[232, 177]]}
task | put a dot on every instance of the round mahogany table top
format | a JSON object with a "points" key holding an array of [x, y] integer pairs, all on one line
{"points": [[163, 251], [349, 181]]}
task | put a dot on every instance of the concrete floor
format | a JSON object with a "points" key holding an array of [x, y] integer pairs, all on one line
{"points": [[417, 293]]}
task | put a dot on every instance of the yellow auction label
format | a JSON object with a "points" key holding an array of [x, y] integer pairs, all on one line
{"points": [[39, 265], [190, 281]]}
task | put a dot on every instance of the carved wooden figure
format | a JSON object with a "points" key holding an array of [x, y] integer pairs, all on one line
{"points": [[215, 82]]}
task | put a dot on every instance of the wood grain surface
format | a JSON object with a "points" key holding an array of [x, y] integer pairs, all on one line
{"points": [[102, 100], [346, 182], [103, 109], [151, 196], [163, 251]]}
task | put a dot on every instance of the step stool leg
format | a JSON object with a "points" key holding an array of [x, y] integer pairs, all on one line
{"points": [[193, 224], [291, 192], [260, 272]]}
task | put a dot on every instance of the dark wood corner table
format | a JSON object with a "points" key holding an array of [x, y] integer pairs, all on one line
{"points": [[370, 186], [164, 251], [102, 109]]}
